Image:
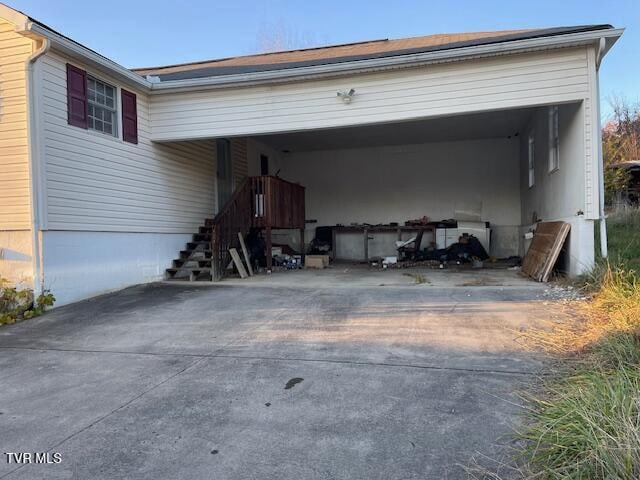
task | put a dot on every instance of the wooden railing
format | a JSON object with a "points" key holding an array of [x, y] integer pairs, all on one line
{"points": [[263, 202], [277, 203], [233, 217]]}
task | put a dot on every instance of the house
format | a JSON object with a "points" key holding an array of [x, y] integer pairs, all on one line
{"points": [[107, 172]]}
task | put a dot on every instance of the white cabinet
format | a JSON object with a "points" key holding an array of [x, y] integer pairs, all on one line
{"points": [[445, 237]]}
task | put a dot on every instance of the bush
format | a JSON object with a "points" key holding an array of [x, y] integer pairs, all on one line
{"points": [[16, 305]]}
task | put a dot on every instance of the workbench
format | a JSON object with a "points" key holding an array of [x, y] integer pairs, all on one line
{"points": [[367, 229]]}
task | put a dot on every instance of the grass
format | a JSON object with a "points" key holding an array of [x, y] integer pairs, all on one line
{"points": [[623, 232], [418, 278], [586, 422]]}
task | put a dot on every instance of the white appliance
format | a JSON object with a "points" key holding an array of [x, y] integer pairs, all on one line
{"points": [[445, 237]]}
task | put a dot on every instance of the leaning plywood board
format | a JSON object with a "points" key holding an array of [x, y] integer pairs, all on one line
{"points": [[247, 259], [545, 249], [238, 263]]}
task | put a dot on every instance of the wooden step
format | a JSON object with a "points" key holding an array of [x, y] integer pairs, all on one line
{"points": [[190, 273], [202, 262], [190, 252], [202, 237], [194, 245]]}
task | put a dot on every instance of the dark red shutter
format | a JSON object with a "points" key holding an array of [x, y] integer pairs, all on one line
{"points": [[129, 117], [77, 96]]}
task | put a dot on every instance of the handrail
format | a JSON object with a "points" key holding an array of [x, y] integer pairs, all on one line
{"points": [[262, 202], [227, 206], [233, 217]]}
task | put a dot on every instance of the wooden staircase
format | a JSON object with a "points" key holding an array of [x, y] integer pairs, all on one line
{"points": [[262, 203], [195, 261]]}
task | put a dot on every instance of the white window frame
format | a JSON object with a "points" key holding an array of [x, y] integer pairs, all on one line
{"points": [[92, 103], [554, 139], [531, 154]]}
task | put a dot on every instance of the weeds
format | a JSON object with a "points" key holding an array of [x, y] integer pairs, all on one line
{"points": [[16, 305], [418, 278], [587, 423]]}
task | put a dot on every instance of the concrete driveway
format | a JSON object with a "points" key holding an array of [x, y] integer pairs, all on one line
{"points": [[268, 381]]}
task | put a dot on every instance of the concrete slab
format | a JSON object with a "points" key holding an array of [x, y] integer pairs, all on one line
{"points": [[349, 275], [398, 382]]}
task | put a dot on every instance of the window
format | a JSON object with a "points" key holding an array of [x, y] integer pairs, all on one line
{"points": [[101, 106], [554, 139], [531, 157], [264, 165]]}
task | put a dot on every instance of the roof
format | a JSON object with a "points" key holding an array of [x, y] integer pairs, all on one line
{"points": [[350, 52]]}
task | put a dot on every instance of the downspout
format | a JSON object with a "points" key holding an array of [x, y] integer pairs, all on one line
{"points": [[33, 135], [603, 222]]}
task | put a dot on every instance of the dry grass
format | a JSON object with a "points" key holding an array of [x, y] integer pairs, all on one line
{"points": [[584, 421]]}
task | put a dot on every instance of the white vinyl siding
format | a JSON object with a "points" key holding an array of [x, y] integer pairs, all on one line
{"points": [[531, 79], [96, 182], [15, 200], [239, 159]]}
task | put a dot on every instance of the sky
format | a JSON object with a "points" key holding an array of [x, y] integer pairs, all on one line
{"points": [[138, 33]]}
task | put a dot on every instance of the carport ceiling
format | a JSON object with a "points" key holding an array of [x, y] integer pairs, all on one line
{"points": [[496, 124]]}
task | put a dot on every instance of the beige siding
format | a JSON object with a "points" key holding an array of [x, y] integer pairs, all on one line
{"points": [[239, 159], [485, 84], [96, 182], [15, 202]]}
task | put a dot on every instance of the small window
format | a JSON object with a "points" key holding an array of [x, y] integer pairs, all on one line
{"points": [[554, 139], [264, 165], [531, 156], [102, 106]]}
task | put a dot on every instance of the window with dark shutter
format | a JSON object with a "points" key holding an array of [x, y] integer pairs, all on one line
{"points": [[129, 117], [76, 96]]}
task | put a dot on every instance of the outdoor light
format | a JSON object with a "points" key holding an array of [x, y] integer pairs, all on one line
{"points": [[347, 96]]}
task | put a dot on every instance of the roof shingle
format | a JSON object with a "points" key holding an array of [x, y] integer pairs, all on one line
{"points": [[347, 52]]}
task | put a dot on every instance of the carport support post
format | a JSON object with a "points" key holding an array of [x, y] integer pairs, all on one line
{"points": [[267, 248], [366, 245], [302, 245]]}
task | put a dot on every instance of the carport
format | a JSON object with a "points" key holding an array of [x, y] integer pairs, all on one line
{"points": [[491, 168]]}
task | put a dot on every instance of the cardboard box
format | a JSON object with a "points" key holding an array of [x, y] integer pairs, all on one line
{"points": [[316, 261]]}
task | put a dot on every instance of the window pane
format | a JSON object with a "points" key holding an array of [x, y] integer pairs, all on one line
{"points": [[102, 106]]}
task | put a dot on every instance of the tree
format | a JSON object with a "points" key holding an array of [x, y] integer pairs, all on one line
{"points": [[620, 143], [278, 37]]}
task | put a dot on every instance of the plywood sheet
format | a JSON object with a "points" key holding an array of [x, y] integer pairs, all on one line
{"points": [[545, 248], [238, 263]]}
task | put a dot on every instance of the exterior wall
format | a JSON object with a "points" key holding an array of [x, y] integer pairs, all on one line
{"points": [[114, 213], [559, 195], [255, 148], [555, 76], [16, 257], [239, 160], [15, 192], [398, 183], [96, 182], [79, 265]]}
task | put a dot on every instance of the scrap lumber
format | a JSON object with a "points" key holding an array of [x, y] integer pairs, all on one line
{"points": [[544, 250], [247, 259], [238, 263]]}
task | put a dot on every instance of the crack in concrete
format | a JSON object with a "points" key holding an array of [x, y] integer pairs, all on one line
{"points": [[216, 354]]}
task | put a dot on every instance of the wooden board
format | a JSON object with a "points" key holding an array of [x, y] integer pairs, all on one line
{"points": [[238, 263], [544, 250], [247, 259]]}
